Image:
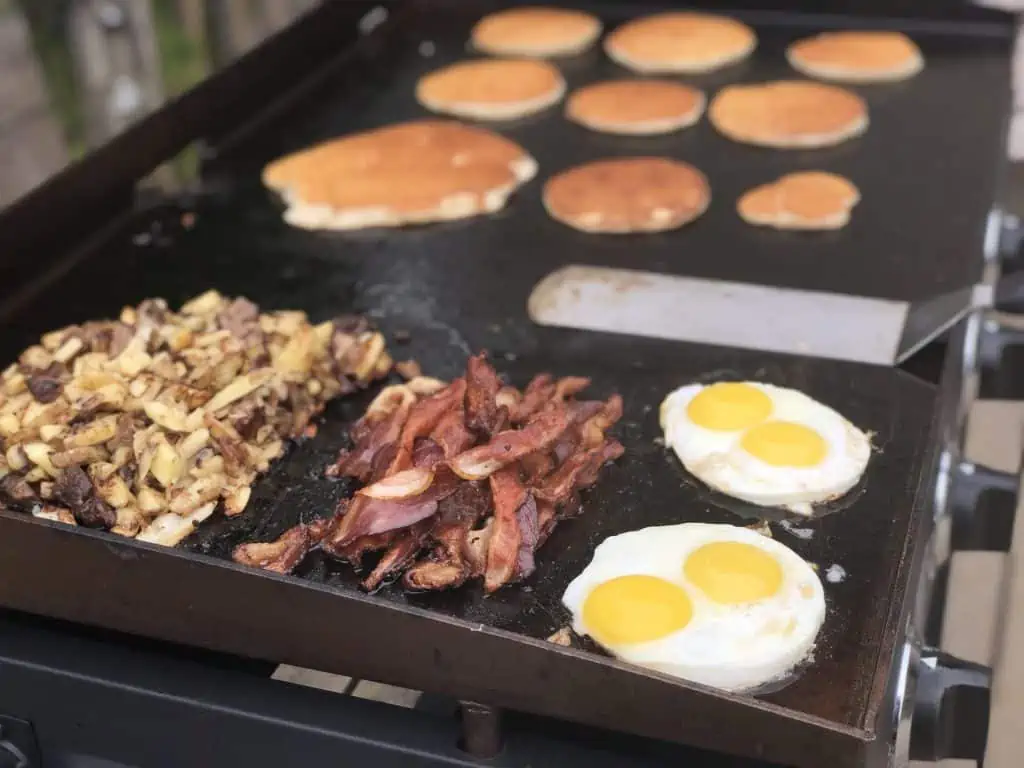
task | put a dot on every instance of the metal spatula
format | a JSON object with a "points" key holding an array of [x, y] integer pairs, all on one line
{"points": [[723, 313]]}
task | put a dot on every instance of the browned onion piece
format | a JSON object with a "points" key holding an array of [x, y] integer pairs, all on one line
{"points": [[401, 485]]}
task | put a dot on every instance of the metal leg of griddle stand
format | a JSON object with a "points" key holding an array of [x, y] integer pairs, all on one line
{"points": [[481, 729]]}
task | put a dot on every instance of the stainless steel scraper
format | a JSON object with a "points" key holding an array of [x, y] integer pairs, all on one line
{"points": [[722, 313]]}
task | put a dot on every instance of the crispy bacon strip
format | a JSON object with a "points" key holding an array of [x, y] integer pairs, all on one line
{"points": [[354, 552], [282, 555], [529, 535], [588, 421], [484, 417], [452, 434], [476, 545], [448, 565], [538, 392], [370, 438], [398, 557], [594, 428], [581, 466], [546, 520], [423, 418], [511, 445], [426, 453], [570, 386], [422, 453], [367, 516], [503, 549]]}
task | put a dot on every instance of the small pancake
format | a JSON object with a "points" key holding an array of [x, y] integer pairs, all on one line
{"points": [[629, 194], [491, 89], [636, 107], [857, 57], [680, 41], [423, 170], [788, 114], [536, 32], [804, 200]]}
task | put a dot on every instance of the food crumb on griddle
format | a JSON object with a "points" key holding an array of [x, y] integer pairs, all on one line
{"points": [[144, 424], [562, 636]]}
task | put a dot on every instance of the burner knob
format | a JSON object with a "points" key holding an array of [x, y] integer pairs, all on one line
{"points": [[991, 531], [950, 709]]}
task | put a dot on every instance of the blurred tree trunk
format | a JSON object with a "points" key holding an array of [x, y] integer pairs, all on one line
{"points": [[227, 30], [235, 26], [32, 144], [192, 15], [116, 61]]}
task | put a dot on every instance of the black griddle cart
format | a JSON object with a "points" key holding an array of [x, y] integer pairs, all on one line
{"points": [[84, 245]]}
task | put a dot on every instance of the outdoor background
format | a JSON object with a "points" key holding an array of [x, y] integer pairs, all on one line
{"points": [[77, 72]]}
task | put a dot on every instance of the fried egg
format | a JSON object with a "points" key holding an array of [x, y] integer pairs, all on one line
{"points": [[713, 604], [771, 446]]}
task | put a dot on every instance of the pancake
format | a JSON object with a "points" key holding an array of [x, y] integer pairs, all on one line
{"points": [[491, 89], [535, 32], [857, 57], [788, 114], [679, 41], [630, 194], [636, 107], [804, 200], [415, 172]]}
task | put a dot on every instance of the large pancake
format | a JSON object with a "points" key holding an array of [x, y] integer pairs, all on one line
{"points": [[803, 200], [636, 107], [630, 194], [857, 57], [680, 41], [424, 170], [491, 89], [535, 31], [788, 114]]}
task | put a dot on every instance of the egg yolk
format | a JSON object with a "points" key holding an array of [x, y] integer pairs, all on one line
{"points": [[635, 609], [732, 572], [729, 405], [785, 444]]}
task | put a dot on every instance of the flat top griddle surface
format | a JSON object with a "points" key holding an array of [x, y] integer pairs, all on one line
{"points": [[459, 287], [927, 167]]}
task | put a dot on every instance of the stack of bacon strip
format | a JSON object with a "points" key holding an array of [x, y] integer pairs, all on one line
{"points": [[462, 481]]}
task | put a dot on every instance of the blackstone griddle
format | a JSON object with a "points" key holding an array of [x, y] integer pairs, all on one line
{"points": [[928, 170]]}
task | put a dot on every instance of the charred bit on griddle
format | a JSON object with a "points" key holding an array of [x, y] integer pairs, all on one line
{"points": [[142, 425], [463, 480]]}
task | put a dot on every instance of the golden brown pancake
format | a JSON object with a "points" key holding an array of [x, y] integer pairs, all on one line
{"points": [[788, 114], [636, 107], [630, 194], [423, 170], [857, 57], [804, 200], [491, 89], [536, 32], [680, 41]]}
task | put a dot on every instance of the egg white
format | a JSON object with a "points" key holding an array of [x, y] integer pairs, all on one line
{"points": [[718, 459], [731, 647]]}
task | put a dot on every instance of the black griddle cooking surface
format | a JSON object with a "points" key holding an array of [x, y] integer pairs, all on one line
{"points": [[459, 287], [927, 168]]}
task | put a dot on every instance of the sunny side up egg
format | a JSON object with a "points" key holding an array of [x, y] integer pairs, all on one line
{"points": [[771, 446], [713, 604]]}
